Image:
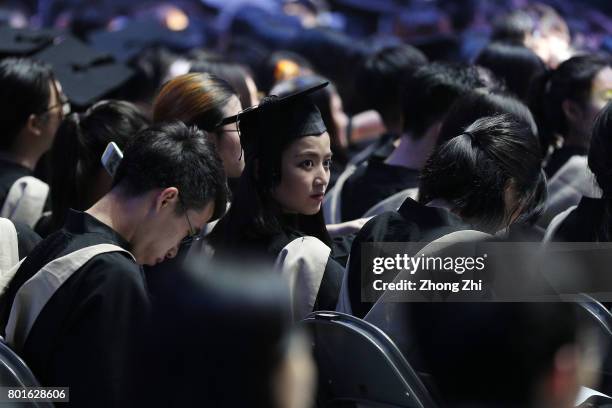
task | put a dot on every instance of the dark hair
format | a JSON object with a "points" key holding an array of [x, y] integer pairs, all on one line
{"points": [[474, 170], [600, 163], [234, 74], [24, 90], [255, 216], [203, 364], [479, 104], [77, 150], [432, 90], [571, 80], [499, 353], [174, 155], [516, 65], [195, 99], [380, 76], [513, 27], [151, 66], [600, 151]]}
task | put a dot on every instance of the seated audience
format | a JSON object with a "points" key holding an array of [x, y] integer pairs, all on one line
{"points": [[426, 98]]}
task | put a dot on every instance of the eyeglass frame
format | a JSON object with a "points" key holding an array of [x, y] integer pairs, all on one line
{"points": [[194, 235], [64, 102]]}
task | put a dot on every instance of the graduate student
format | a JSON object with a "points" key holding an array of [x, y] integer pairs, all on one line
{"points": [[590, 220], [277, 207], [565, 105], [427, 96], [486, 178], [33, 106], [381, 76], [203, 100], [78, 178], [169, 183], [565, 102]]}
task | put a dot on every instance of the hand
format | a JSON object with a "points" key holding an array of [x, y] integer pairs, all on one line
{"points": [[348, 227]]}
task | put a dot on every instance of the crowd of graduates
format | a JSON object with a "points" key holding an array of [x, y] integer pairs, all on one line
{"points": [[177, 198]]}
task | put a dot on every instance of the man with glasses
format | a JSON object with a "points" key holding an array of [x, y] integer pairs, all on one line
{"points": [[32, 106], [88, 276]]}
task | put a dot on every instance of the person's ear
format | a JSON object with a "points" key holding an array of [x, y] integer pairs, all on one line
{"points": [[34, 124], [167, 198], [572, 112]]}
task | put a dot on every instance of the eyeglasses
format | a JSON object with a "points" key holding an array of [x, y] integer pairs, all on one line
{"points": [[194, 234], [63, 103]]}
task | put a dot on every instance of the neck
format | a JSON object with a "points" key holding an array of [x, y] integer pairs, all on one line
{"points": [[576, 138], [23, 158], [121, 214], [413, 153]]}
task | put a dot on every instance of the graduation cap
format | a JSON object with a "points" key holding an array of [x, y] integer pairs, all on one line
{"points": [[137, 35], [86, 75], [277, 121], [23, 42]]}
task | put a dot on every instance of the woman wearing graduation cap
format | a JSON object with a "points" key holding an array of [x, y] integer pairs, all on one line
{"points": [[276, 212]]}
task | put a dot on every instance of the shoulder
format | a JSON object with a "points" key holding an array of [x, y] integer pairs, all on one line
{"points": [[359, 173], [383, 226], [584, 222], [114, 267]]}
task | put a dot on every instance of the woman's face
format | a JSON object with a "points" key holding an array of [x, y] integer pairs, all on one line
{"points": [[585, 113], [228, 141], [304, 175], [601, 91]]}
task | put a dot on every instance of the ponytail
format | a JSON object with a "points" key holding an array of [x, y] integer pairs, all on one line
{"points": [[539, 104], [473, 171], [65, 158]]}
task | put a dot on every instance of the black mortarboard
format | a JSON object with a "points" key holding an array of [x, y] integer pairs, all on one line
{"points": [[22, 42], [86, 75], [137, 35], [277, 121]]}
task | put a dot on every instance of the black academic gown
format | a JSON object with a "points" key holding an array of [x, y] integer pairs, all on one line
{"points": [[371, 183], [585, 223], [27, 239], [84, 338], [412, 222], [10, 172], [560, 157], [267, 248]]}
